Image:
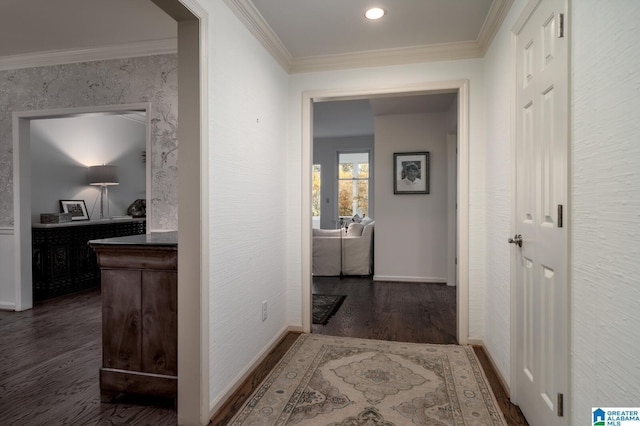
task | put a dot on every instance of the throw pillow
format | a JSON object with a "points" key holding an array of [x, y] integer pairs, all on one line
{"points": [[366, 220], [355, 230]]}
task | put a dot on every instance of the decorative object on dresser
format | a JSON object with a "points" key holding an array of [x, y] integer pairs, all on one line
{"points": [[103, 176], [55, 218], [76, 208], [138, 208], [63, 263], [139, 315]]}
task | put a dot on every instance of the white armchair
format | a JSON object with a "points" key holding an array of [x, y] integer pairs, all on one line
{"points": [[356, 253]]}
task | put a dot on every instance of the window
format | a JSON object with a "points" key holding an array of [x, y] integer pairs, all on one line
{"points": [[315, 192], [353, 184]]}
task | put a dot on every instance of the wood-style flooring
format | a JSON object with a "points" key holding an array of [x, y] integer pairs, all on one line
{"points": [[50, 355], [49, 361], [402, 312]]}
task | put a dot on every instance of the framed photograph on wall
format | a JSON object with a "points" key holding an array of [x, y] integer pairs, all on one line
{"points": [[77, 208], [411, 173]]}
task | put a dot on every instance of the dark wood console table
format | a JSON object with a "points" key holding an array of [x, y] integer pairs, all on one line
{"points": [[139, 315], [63, 263]]}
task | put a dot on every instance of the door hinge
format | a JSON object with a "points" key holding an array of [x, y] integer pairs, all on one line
{"points": [[560, 25], [560, 405], [559, 215]]}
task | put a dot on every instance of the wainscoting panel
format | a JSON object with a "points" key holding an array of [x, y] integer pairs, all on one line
{"points": [[7, 269]]}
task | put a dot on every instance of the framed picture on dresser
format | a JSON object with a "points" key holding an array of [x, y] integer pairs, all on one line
{"points": [[77, 208]]}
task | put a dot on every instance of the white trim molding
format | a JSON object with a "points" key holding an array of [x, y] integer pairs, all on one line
{"points": [[462, 88], [7, 266], [497, 14], [501, 378], [233, 387], [58, 57], [405, 279], [255, 23]]}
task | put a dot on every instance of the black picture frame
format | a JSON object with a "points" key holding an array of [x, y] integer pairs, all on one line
{"points": [[405, 179], [77, 208]]}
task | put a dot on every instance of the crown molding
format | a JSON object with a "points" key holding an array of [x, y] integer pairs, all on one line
{"points": [[58, 57], [496, 16], [385, 57], [255, 23]]}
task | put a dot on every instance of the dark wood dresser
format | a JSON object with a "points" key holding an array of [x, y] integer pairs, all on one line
{"points": [[63, 263], [139, 315]]}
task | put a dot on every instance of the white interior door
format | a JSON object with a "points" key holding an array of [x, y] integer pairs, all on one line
{"points": [[541, 202]]}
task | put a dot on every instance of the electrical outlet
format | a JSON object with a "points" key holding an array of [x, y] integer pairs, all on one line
{"points": [[264, 310]]}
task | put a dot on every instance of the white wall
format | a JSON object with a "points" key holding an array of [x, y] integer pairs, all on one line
{"points": [[411, 229], [383, 78], [63, 148], [247, 210], [325, 153], [605, 205], [497, 197]]}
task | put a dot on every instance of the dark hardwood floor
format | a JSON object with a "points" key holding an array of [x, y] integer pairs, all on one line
{"points": [[403, 312], [49, 361], [50, 356]]}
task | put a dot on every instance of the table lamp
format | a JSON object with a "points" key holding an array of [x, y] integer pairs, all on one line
{"points": [[104, 177]]}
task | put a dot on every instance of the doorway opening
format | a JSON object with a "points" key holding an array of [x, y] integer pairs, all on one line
{"points": [[25, 178], [459, 272]]}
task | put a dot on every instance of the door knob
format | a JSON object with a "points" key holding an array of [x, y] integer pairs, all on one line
{"points": [[517, 239]]}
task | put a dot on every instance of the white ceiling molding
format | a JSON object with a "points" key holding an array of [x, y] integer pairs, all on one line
{"points": [[253, 20], [495, 17], [428, 53], [255, 23], [58, 57]]}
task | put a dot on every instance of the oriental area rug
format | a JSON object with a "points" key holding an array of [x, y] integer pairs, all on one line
{"points": [[337, 381], [324, 306]]}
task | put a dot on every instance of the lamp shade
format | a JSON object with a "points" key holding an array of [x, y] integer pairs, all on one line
{"points": [[103, 175]]}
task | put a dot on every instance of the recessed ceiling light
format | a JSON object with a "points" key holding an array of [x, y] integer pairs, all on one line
{"points": [[374, 13]]}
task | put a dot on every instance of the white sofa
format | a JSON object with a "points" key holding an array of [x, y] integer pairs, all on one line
{"points": [[357, 250]]}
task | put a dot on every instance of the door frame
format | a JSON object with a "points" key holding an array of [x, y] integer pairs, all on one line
{"points": [[22, 183], [462, 89]]}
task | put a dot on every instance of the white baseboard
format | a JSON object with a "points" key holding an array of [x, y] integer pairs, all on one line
{"points": [[503, 382], [233, 387], [7, 306], [409, 279]]}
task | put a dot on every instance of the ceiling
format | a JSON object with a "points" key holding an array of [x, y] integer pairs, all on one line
{"points": [[333, 27], [302, 35], [356, 117], [29, 26]]}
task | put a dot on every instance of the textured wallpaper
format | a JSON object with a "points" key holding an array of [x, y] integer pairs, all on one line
{"points": [[151, 79]]}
